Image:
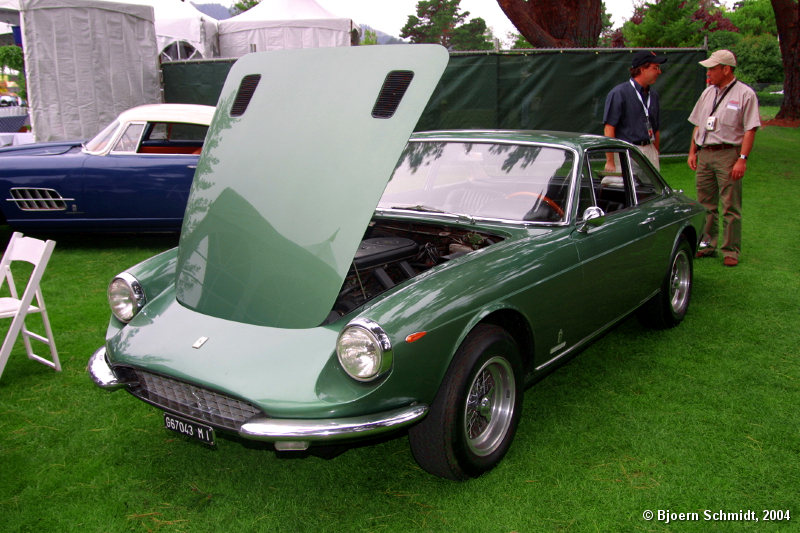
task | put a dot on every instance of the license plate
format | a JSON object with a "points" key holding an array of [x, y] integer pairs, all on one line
{"points": [[193, 430]]}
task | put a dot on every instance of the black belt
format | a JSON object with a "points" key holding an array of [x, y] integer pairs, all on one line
{"points": [[643, 143], [714, 147]]}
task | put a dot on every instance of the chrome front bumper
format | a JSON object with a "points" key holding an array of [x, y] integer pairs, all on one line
{"points": [[290, 434]]}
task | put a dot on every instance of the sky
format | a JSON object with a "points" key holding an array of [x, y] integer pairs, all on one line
{"points": [[389, 16]]}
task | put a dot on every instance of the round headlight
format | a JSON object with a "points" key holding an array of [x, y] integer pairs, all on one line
{"points": [[125, 296], [364, 350]]}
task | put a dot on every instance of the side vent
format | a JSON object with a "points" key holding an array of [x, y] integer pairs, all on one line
{"points": [[246, 90], [392, 92]]}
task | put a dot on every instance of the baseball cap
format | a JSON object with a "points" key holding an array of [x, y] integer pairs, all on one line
{"points": [[720, 57], [643, 57]]}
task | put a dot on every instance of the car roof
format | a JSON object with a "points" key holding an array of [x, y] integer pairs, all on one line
{"points": [[186, 113], [577, 141]]}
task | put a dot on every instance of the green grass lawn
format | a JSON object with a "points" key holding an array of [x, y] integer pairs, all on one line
{"points": [[702, 417]]}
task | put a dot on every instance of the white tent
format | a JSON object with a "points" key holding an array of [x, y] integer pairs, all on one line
{"points": [[279, 24], [179, 24], [86, 61], [9, 11]]}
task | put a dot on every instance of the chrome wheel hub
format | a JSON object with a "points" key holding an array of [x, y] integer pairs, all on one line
{"points": [[490, 406], [680, 282]]}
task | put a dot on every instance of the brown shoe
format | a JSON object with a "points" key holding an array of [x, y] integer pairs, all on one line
{"points": [[730, 262], [705, 252]]}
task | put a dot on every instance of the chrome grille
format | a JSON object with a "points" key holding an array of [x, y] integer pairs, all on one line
{"points": [[37, 199], [198, 403]]}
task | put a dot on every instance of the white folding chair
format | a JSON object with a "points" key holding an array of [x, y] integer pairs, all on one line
{"points": [[37, 253]]}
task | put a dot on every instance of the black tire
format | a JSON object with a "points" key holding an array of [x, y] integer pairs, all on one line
{"points": [[476, 411], [669, 306]]}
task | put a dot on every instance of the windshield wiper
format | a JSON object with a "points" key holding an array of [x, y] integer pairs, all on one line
{"points": [[428, 209]]}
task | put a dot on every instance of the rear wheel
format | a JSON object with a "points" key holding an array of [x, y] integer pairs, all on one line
{"points": [[474, 416], [669, 306]]}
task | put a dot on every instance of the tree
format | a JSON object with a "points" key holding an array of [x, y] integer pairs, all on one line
{"points": [[670, 23], [758, 56], [556, 23], [787, 17], [665, 23], [442, 22], [754, 17], [12, 57], [243, 5]]}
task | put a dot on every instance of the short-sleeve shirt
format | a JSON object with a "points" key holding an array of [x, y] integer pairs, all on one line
{"points": [[625, 111], [736, 113]]}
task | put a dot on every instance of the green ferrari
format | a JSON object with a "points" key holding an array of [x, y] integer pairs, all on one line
{"points": [[339, 279]]}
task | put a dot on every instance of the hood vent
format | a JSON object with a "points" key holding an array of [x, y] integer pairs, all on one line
{"points": [[392, 92], [245, 94]]}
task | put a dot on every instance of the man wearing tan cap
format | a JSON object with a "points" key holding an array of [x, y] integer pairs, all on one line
{"points": [[725, 119]]}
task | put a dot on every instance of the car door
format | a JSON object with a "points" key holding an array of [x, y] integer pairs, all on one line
{"points": [[614, 255], [138, 189]]}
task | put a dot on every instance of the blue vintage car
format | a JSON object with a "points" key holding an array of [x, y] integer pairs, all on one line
{"points": [[134, 175]]}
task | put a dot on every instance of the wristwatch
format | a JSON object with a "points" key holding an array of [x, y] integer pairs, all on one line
{"points": [[742, 156]]}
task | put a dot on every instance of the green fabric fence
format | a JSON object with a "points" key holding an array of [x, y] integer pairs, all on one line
{"points": [[537, 89]]}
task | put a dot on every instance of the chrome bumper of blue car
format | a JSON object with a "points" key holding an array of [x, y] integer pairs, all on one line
{"points": [[290, 434]]}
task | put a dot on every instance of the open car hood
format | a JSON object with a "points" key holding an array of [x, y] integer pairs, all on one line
{"points": [[299, 152]]}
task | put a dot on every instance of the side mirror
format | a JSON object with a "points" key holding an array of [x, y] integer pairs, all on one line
{"points": [[593, 217]]}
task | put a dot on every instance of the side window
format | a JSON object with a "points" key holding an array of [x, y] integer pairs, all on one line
{"points": [[612, 189], [646, 182], [129, 139], [586, 193], [158, 132]]}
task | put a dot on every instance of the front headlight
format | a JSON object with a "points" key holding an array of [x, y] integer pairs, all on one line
{"points": [[364, 350], [125, 296]]}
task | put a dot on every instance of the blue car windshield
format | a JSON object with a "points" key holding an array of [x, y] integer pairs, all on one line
{"points": [[100, 141], [516, 182]]}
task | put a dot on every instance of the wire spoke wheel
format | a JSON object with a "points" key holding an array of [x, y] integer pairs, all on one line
{"points": [[490, 406], [680, 282]]}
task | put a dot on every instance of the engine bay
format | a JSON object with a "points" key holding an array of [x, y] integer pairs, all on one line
{"points": [[392, 252]]}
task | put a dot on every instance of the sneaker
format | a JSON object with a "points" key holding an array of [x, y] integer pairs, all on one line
{"points": [[705, 252], [730, 261]]}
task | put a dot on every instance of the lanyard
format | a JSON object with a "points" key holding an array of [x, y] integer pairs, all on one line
{"points": [[721, 98], [645, 106]]}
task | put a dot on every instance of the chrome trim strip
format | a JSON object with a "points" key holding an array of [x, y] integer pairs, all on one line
{"points": [[276, 429], [28, 200], [594, 335], [100, 371]]}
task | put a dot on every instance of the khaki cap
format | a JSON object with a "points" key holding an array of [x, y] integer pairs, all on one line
{"points": [[720, 57]]}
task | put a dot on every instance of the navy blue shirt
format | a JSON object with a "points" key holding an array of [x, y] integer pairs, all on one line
{"points": [[625, 112]]}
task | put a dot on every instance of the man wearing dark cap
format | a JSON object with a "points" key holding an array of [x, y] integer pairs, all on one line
{"points": [[632, 111], [725, 120]]}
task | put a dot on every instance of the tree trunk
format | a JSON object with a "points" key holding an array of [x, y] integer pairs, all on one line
{"points": [[556, 23], [787, 16]]}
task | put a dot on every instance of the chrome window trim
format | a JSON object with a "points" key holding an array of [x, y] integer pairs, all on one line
{"points": [[122, 130], [476, 140]]}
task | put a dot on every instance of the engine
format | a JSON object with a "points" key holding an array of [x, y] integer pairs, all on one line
{"points": [[393, 252]]}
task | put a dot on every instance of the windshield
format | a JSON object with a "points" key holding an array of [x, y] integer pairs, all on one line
{"points": [[527, 183], [101, 140]]}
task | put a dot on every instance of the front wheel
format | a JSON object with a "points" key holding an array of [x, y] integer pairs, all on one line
{"points": [[669, 306], [474, 416]]}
